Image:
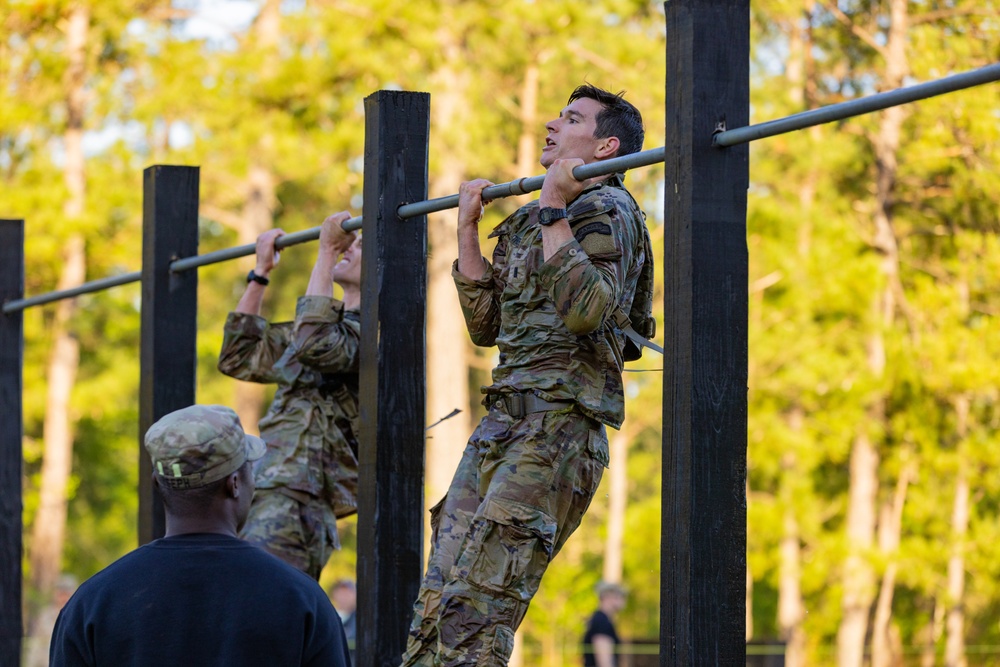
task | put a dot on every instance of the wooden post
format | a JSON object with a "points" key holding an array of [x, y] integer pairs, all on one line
{"points": [[703, 566], [393, 311], [11, 432], [169, 316]]}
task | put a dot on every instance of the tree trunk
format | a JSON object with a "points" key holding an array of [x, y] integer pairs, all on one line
{"points": [[618, 501], [267, 25], [884, 651], [529, 140], [517, 655], [929, 636], [447, 337], [256, 218], [954, 652], [257, 215], [859, 573], [49, 528], [791, 607], [955, 622]]}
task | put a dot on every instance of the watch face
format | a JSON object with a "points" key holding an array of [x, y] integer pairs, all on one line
{"points": [[546, 216]]}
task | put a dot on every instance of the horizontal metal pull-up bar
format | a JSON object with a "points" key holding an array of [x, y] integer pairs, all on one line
{"points": [[827, 114], [284, 241], [525, 185], [86, 288], [843, 110], [518, 187], [185, 264]]}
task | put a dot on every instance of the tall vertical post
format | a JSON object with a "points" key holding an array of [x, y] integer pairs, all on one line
{"points": [[703, 566], [11, 426], [169, 316], [393, 311]]}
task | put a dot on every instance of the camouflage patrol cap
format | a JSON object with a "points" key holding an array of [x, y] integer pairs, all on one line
{"points": [[198, 445]]}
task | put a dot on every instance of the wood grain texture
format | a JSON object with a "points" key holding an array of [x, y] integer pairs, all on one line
{"points": [[705, 321], [393, 354], [167, 355], [11, 432]]}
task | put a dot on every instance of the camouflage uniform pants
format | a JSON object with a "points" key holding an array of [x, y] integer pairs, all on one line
{"points": [[520, 491], [303, 534]]}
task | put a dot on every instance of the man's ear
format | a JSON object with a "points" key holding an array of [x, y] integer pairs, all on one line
{"points": [[607, 148], [233, 486]]}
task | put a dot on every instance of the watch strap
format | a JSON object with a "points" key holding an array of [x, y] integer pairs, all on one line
{"points": [[548, 215], [253, 277]]}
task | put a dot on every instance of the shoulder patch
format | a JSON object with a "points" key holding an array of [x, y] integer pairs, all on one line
{"points": [[596, 237], [596, 227]]}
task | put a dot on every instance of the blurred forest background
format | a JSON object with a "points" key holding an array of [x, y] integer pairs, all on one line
{"points": [[874, 419]]}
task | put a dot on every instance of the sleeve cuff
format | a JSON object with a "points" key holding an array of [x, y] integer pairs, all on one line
{"points": [[464, 281]]}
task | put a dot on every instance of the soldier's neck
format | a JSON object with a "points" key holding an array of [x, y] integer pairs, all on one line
{"points": [[352, 298]]}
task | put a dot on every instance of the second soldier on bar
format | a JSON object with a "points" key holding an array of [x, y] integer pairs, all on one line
{"points": [[308, 477]]}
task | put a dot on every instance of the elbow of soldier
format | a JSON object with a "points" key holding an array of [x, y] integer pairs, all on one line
{"points": [[586, 315], [483, 340], [579, 324]]}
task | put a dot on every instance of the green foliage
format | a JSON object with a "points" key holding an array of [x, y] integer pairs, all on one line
{"points": [[811, 240], [237, 102]]}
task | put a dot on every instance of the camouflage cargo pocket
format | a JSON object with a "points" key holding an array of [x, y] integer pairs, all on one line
{"points": [[498, 648], [597, 445], [508, 549]]}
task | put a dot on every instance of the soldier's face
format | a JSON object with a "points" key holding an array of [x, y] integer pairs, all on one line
{"points": [[571, 135], [348, 270]]}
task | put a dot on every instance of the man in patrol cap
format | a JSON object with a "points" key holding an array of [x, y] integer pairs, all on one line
{"points": [[200, 595]]}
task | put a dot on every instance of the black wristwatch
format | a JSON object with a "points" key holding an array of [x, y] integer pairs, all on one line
{"points": [[547, 215], [253, 277]]}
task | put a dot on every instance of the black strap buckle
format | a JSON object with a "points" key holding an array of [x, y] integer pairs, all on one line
{"points": [[512, 404]]}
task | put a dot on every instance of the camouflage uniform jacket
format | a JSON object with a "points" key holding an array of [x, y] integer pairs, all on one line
{"points": [[551, 320], [311, 426]]}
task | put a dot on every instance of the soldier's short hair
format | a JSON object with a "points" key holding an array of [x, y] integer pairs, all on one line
{"points": [[619, 118], [195, 499]]}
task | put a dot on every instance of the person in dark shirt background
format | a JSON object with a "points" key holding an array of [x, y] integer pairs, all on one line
{"points": [[344, 595], [600, 642]]}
